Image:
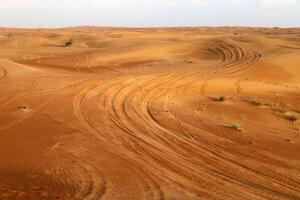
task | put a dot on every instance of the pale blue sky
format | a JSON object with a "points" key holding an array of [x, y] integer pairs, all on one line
{"points": [[148, 13]]}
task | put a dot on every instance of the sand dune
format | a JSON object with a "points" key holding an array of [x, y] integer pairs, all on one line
{"points": [[170, 113]]}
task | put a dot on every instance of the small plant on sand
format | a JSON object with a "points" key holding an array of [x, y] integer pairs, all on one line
{"points": [[18, 58], [292, 117], [280, 109], [236, 126], [222, 98], [188, 61], [69, 42], [272, 105], [218, 98], [255, 101], [23, 107]]}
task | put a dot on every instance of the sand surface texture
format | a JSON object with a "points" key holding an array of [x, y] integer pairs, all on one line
{"points": [[162, 114]]}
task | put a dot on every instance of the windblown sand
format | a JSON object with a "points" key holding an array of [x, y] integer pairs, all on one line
{"points": [[166, 114]]}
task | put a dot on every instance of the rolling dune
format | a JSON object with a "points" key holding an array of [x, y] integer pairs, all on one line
{"points": [[170, 113]]}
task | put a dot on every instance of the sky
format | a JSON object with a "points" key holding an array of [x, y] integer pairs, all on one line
{"points": [[149, 13]]}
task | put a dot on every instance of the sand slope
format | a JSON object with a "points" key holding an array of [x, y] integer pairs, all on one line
{"points": [[186, 113]]}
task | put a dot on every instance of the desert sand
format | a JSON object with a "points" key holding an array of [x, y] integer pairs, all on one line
{"points": [[166, 113]]}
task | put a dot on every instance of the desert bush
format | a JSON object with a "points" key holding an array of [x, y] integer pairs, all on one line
{"points": [[222, 98], [255, 101], [22, 107], [272, 105], [69, 42], [18, 58], [236, 126], [218, 98], [292, 117]]}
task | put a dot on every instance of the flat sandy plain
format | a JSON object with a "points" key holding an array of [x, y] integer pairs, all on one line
{"points": [[133, 114]]}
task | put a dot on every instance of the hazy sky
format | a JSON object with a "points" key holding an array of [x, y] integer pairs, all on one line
{"points": [[145, 13]]}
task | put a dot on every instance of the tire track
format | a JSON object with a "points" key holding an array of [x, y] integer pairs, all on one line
{"points": [[140, 123], [128, 106]]}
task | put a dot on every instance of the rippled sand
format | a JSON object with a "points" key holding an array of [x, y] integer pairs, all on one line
{"points": [[132, 114]]}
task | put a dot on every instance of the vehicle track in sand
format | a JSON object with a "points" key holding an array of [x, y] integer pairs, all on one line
{"points": [[151, 189], [156, 134], [128, 104], [162, 131], [233, 59]]}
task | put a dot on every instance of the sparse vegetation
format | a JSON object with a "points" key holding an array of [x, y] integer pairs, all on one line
{"points": [[218, 98], [293, 117], [255, 101], [260, 102], [273, 106], [279, 109], [70, 42], [236, 126], [188, 61], [222, 98], [18, 58], [23, 107]]}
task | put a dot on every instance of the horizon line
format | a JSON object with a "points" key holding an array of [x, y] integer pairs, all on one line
{"points": [[149, 27]]}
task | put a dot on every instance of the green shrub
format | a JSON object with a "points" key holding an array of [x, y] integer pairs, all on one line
{"points": [[236, 126], [255, 101], [222, 98], [23, 107], [218, 98], [292, 117], [69, 42]]}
